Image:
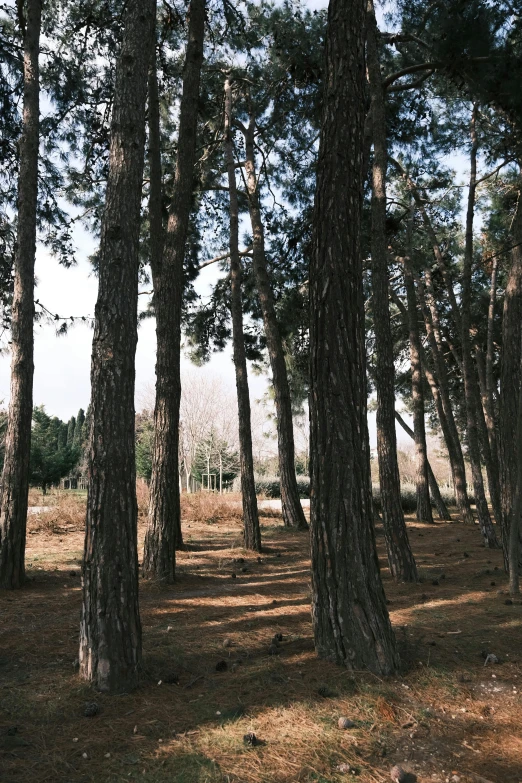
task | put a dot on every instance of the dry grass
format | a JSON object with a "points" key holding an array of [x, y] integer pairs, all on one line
{"points": [[60, 512], [209, 509], [142, 495], [445, 714]]}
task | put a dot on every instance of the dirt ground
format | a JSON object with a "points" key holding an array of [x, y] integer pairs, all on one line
{"points": [[448, 717]]}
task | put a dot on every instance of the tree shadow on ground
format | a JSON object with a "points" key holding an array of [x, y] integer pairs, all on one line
{"points": [[445, 714]]}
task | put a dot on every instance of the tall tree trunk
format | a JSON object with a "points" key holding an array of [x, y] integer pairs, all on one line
{"points": [[511, 376], [436, 496], [400, 556], [516, 515], [474, 412], [441, 395], [15, 474], [252, 531], [434, 337], [293, 515], [159, 557], [110, 631], [487, 399], [453, 454], [164, 525], [490, 355], [487, 435], [350, 618], [484, 518], [424, 513]]}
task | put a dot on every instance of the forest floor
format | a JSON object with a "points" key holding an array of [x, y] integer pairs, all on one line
{"points": [[447, 717]]}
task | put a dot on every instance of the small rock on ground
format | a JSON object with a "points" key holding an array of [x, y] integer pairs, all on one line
{"points": [[399, 775]]}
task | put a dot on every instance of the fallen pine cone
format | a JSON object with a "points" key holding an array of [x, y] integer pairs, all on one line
{"points": [[250, 739], [91, 709]]}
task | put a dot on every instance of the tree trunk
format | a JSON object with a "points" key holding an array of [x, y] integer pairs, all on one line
{"points": [[440, 391], [487, 435], [515, 527], [252, 531], [454, 453], [424, 513], [161, 541], [164, 524], [400, 556], [436, 497], [511, 377], [110, 631], [293, 515], [484, 518], [470, 379], [350, 618], [15, 474]]}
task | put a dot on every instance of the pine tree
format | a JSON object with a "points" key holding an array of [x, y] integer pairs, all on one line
{"points": [[15, 474], [351, 623], [252, 532], [78, 435], [400, 556], [110, 631], [71, 428], [164, 526]]}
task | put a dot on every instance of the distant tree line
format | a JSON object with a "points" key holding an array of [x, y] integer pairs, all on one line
{"points": [[57, 447]]}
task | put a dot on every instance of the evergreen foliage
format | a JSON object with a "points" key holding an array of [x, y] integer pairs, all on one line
{"points": [[52, 457]]}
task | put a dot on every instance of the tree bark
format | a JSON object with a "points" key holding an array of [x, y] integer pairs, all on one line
{"points": [[252, 533], [400, 556], [490, 347], [436, 497], [424, 513], [440, 391], [431, 318], [293, 515], [454, 453], [350, 618], [510, 377], [15, 474], [516, 515], [164, 524], [487, 435], [486, 395], [474, 412], [484, 518], [110, 630]]}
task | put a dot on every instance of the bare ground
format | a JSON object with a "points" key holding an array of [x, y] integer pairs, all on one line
{"points": [[447, 717]]}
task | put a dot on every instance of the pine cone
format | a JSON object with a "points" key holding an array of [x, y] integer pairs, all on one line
{"points": [[91, 709]]}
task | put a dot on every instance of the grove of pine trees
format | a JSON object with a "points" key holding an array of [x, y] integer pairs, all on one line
{"points": [[353, 176]]}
